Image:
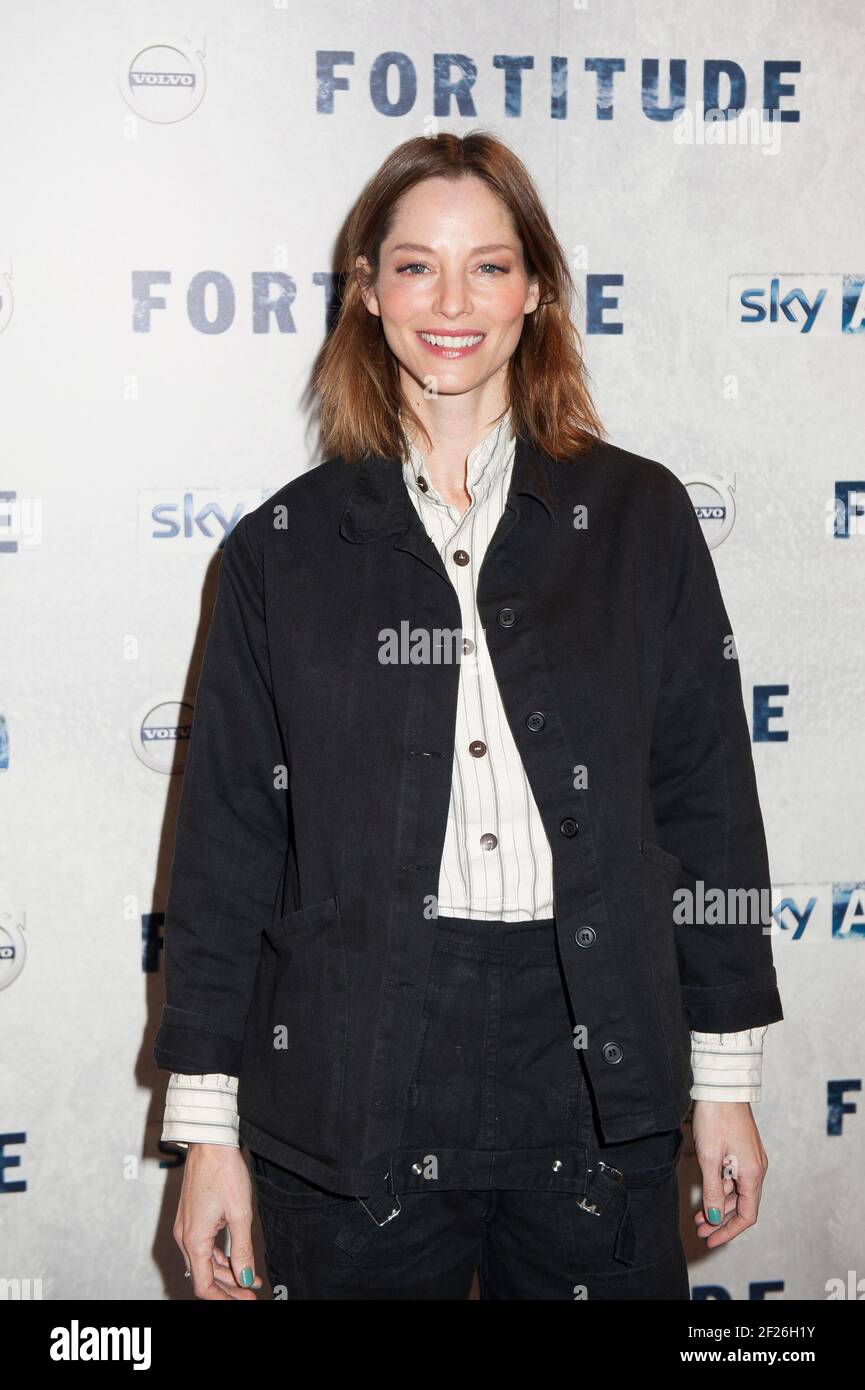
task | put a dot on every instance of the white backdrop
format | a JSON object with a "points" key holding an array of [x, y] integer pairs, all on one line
{"points": [[147, 145]]}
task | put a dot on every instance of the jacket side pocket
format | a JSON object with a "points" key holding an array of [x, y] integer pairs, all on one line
{"points": [[296, 1034]]}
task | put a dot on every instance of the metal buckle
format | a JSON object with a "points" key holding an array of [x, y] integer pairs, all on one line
{"points": [[395, 1212], [397, 1209], [615, 1174]]}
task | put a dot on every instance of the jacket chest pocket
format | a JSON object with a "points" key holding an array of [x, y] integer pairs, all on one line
{"points": [[661, 874], [297, 1030], [661, 858]]}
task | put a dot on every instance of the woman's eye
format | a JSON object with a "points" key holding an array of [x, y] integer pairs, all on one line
{"points": [[419, 265]]}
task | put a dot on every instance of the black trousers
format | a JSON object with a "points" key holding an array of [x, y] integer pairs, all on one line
{"points": [[499, 1089]]}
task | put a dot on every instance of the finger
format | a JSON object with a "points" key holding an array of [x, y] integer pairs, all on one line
{"points": [[224, 1274], [242, 1256], [713, 1190], [703, 1226], [734, 1227], [200, 1265], [747, 1206], [234, 1292]]}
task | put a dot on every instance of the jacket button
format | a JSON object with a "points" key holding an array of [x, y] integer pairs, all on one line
{"points": [[477, 748], [422, 483], [468, 646], [569, 826], [461, 557], [612, 1053], [507, 617], [488, 841], [585, 936], [417, 1168], [535, 721]]}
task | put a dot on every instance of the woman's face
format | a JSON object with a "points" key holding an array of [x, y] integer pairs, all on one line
{"points": [[451, 270]]}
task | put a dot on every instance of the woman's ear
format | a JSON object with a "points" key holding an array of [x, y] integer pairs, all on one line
{"points": [[533, 295], [367, 291]]}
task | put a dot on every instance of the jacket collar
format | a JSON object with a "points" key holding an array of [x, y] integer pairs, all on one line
{"points": [[379, 504]]}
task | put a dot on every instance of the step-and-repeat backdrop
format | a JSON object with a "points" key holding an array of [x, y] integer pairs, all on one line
{"points": [[174, 183]]}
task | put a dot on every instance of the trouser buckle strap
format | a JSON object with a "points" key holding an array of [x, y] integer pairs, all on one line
{"points": [[382, 1207]]}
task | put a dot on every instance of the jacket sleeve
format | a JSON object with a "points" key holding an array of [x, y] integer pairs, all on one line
{"points": [[231, 839], [704, 796]]}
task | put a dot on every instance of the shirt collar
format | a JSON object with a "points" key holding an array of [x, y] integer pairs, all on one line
{"points": [[486, 463]]}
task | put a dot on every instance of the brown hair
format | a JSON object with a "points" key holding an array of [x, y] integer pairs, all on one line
{"points": [[357, 374]]}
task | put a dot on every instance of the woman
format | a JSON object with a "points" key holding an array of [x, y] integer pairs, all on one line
{"points": [[468, 718]]}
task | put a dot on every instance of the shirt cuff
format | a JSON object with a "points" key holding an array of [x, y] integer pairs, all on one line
{"points": [[727, 1066], [201, 1109]]}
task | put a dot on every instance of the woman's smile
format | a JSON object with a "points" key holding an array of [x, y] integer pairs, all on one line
{"points": [[446, 343]]}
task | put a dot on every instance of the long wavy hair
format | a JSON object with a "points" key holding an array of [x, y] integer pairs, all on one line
{"points": [[362, 406]]}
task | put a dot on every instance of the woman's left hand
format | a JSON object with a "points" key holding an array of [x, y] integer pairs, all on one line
{"points": [[726, 1139]]}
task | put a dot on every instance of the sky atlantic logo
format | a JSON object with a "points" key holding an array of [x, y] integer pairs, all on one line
{"points": [[833, 911], [786, 304]]}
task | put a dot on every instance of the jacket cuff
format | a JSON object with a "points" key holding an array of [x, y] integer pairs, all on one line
{"points": [[732, 1008], [193, 1051]]}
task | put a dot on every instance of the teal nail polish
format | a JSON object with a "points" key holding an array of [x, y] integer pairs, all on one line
{"points": [[714, 1214], [246, 1276]]}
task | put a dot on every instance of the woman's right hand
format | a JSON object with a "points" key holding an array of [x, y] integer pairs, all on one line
{"points": [[217, 1192]]}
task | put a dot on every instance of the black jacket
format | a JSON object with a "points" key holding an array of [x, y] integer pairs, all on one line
{"points": [[298, 929]]}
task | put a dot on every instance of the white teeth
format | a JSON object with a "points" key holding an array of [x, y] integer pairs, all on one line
{"points": [[448, 341]]}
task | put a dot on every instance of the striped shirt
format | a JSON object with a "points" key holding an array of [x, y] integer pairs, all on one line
{"points": [[496, 863]]}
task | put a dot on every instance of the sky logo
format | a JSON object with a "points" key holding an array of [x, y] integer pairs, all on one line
{"points": [[778, 306], [834, 915], [191, 520]]}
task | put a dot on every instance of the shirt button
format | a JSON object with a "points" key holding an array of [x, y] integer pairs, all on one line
{"points": [[461, 557], [569, 826], [477, 748], [422, 484], [612, 1053], [488, 841], [535, 721], [507, 617], [585, 936], [468, 646]]}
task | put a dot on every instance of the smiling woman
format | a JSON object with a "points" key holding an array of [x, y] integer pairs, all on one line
{"points": [[453, 304], [420, 945], [457, 288]]}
